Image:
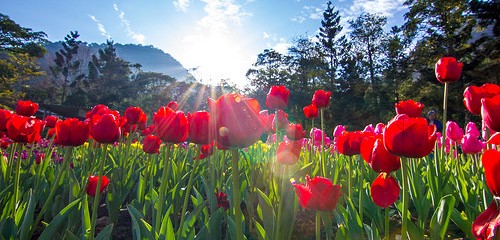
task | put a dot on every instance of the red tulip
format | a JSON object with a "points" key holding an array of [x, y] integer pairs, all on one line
{"points": [[222, 200], [5, 115], [384, 190], [5, 142], [92, 185], [318, 194], [453, 131], [409, 137], [50, 121], [277, 98], [474, 94], [135, 115], [379, 159], [26, 108], [486, 224], [311, 111], [448, 70], [321, 98], [267, 121], [199, 131], [237, 121], [101, 109], [282, 120], [288, 152], [491, 164], [105, 128], [410, 108], [170, 126], [24, 129], [495, 139], [72, 132], [349, 143], [151, 144], [490, 111], [206, 150], [295, 131], [173, 105]]}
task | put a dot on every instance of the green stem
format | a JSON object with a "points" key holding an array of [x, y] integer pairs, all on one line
{"points": [[97, 196], [318, 226], [236, 195], [323, 160], [445, 109], [361, 189], [282, 201], [386, 226], [311, 150], [406, 196], [48, 201], [163, 187], [188, 190], [349, 169], [16, 182]]}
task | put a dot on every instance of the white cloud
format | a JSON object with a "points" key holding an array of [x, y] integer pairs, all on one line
{"points": [[310, 12], [100, 27], [181, 5], [265, 35], [299, 19], [384, 7], [138, 37]]}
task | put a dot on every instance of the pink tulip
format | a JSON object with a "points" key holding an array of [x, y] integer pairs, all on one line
{"points": [[453, 131], [369, 129], [472, 145], [379, 129], [339, 129], [472, 129]]}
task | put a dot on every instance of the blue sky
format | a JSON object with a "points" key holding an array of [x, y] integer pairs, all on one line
{"points": [[221, 38]]}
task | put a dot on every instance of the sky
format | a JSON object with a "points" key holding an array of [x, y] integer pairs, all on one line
{"points": [[217, 39]]}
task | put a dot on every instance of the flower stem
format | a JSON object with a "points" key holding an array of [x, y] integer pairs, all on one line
{"points": [[349, 169], [386, 227], [163, 187], [318, 226], [323, 160], [406, 196], [53, 189], [236, 195], [445, 109], [362, 187], [97, 196], [16, 182], [312, 143], [187, 193]]}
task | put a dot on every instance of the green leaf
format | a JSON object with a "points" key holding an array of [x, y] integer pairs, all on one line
{"points": [[59, 220], [261, 233], [211, 229], [167, 229], [462, 222], [28, 216], [140, 228], [105, 233], [441, 217], [85, 216], [268, 215]]}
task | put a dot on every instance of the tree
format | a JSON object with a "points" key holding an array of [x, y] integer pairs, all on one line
{"points": [[66, 69], [330, 41], [366, 37], [19, 48], [109, 78]]}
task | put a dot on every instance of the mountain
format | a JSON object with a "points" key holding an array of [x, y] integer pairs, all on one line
{"points": [[152, 59]]}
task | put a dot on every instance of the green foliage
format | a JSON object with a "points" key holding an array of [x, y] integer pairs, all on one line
{"points": [[19, 48]]}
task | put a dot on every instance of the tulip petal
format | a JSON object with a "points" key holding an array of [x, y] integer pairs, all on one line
{"points": [[384, 190]]}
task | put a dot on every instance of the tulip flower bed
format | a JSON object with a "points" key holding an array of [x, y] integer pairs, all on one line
{"points": [[209, 175]]}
